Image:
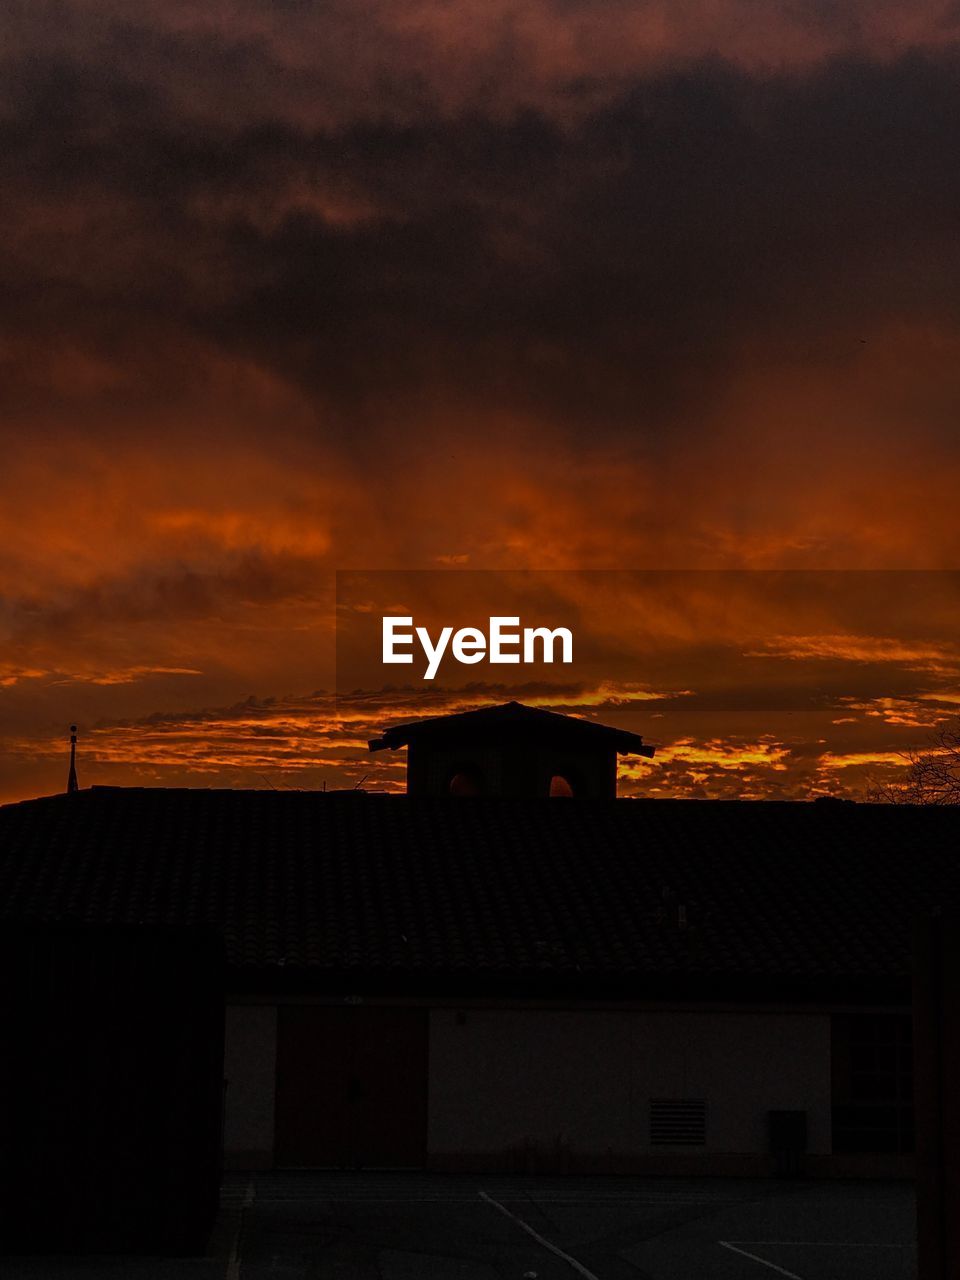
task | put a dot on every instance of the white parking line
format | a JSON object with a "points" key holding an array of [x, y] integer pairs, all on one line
{"points": [[542, 1240], [233, 1263], [735, 1248], [821, 1244]]}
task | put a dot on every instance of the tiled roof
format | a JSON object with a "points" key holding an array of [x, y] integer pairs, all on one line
{"points": [[522, 723], [351, 891]]}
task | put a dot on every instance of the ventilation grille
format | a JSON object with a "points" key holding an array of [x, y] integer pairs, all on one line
{"points": [[678, 1122]]}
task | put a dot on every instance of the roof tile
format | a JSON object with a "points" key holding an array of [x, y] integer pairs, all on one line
{"points": [[431, 890]]}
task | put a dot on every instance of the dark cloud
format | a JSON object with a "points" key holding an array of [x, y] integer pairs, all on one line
{"points": [[616, 271]]}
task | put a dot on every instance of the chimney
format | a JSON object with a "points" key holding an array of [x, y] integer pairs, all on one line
{"points": [[72, 783]]}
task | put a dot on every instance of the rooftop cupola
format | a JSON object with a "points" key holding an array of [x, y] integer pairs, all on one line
{"points": [[511, 750]]}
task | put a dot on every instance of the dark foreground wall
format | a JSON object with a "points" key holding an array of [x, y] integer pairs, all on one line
{"points": [[111, 1070], [937, 1084]]}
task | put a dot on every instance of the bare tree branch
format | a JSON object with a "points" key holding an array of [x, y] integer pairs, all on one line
{"points": [[932, 773]]}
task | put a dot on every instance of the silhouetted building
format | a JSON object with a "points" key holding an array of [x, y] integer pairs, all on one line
{"points": [[630, 985], [512, 750]]}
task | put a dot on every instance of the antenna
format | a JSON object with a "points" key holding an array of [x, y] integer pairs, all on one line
{"points": [[72, 783]]}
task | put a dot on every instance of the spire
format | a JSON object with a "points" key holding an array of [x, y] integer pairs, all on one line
{"points": [[72, 783]]}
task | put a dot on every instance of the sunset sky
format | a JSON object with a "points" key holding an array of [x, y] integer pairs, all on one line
{"points": [[454, 285]]}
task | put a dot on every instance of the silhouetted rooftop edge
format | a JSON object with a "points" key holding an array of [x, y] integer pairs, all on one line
{"points": [[516, 717]]}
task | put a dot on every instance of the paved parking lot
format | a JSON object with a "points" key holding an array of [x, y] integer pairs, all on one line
{"points": [[418, 1227], [468, 1228]]}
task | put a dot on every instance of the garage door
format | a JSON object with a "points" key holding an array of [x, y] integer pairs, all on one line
{"points": [[351, 1087]]}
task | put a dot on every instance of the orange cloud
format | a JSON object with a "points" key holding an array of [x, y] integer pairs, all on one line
{"points": [[934, 658], [514, 286]]}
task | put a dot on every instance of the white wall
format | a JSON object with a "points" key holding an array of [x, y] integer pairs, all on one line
{"points": [[583, 1080], [250, 1058]]}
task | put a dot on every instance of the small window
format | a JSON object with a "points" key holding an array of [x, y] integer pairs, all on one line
{"points": [[561, 785], [466, 782], [678, 1122]]}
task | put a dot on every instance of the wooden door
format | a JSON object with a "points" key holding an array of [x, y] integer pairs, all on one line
{"points": [[351, 1087]]}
